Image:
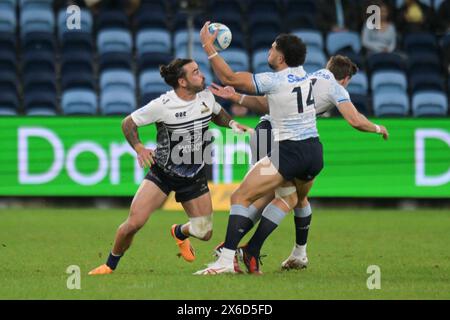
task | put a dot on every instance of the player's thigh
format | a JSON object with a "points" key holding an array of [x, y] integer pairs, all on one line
{"points": [[198, 207], [147, 199], [262, 178]]}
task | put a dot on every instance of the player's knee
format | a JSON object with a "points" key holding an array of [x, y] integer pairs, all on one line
{"points": [[201, 227], [288, 195], [302, 202], [132, 226]]}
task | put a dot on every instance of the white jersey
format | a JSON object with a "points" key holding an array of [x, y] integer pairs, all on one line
{"points": [[291, 103], [181, 126], [327, 92]]}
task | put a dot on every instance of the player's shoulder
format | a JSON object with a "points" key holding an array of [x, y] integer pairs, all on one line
{"points": [[206, 94], [323, 74]]}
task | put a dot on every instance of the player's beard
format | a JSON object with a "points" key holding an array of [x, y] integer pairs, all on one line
{"points": [[198, 88], [271, 66]]}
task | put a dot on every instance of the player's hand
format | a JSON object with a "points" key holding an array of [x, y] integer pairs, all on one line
{"points": [[206, 37], [145, 156], [223, 92], [384, 132], [239, 128]]}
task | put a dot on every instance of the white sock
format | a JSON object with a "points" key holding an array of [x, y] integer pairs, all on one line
{"points": [[226, 257], [299, 251]]}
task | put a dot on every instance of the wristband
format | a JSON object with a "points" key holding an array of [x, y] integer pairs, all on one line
{"points": [[212, 56], [377, 128], [242, 98], [233, 125]]}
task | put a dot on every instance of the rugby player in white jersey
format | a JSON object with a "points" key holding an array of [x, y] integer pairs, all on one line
{"points": [[297, 159], [329, 90], [182, 118]]}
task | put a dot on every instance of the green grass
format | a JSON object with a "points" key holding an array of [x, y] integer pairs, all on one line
{"points": [[410, 247]]}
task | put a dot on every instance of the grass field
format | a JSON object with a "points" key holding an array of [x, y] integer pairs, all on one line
{"points": [[410, 247]]}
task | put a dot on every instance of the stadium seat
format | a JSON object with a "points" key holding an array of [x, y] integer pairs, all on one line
{"points": [[226, 6], [9, 103], [36, 20], [388, 82], [115, 60], [40, 82], [117, 102], [8, 81], [345, 39], [77, 62], [421, 63], [79, 101], [117, 80], [152, 16], [8, 5], [423, 82], [7, 20], [151, 86], [429, 103], [262, 40], [153, 40], [86, 22], [112, 19], [237, 59], [181, 39], [315, 60], [37, 41], [153, 60], [260, 63], [181, 19], [386, 61], [262, 6], [390, 104], [360, 101], [76, 41], [420, 42], [79, 80], [8, 61], [231, 19], [40, 103], [312, 38], [32, 4], [358, 84], [35, 62], [114, 40], [301, 14], [7, 41]]}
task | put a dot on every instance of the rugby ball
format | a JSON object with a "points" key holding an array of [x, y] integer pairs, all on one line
{"points": [[223, 39]]}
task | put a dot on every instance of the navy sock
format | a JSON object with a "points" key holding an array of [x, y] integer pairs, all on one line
{"points": [[180, 235], [265, 228], [237, 228], [301, 229], [113, 261]]}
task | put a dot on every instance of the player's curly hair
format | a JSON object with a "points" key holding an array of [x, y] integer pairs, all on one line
{"points": [[174, 71], [293, 49], [341, 67]]}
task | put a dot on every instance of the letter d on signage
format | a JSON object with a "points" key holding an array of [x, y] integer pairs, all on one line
{"points": [[421, 178], [37, 178]]}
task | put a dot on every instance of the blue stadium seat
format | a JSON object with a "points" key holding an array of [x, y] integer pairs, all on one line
{"points": [[153, 40], [9, 103], [262, 40], [232, 20], [420, 42], [226, 6], [8, 61], [237, 59], [358, 84], [77, 41], [264, 22], [262, 6], [86, 22], [199, 56], [40, 82], [390, 104], [312, 38], [388, 82], [151, 16], [117, 80], [7, 41], [386, 61], [117, 102], [301, 14], [429, 103], [260, 63], [79, 101], [77, 62], [153, 60], [79, 80], [7, 20], [181, 39], [38, 62], [114, 40], [40, 103], [115, 60], [315, 60], [180, 21], [360, 101], [151, 86], [38, 41], [345, 39], [423, 82], [8, 5], [36, 20], [32, 4], [112, 19], [420, 63], [8, 81]]}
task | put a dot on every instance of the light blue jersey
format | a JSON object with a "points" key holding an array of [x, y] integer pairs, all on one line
{"points": [[291, 103]]}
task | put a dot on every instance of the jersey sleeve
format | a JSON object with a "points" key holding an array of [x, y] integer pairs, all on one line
{"points": [[216, 107], [338, 94], [265, 82], [150, 113]]}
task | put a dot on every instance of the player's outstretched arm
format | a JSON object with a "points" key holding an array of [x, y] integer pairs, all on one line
{"points": [[257, 104], [223, 119], [359, 121], [239, 80], [130, 131]]}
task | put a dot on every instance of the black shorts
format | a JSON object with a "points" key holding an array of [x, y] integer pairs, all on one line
{"points": [[185, 188], [301, 159], [261, 141]]}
